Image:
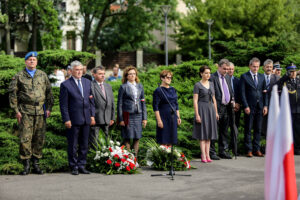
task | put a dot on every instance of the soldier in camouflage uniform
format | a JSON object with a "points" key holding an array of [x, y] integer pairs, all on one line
{"points": [[31, 98], [292, 82]]}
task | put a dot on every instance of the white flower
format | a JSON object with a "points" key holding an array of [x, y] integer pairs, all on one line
{"points": [[149, 163], [162, 147], [105, 154], [118, 143], [168, 150], [111, 142], [97, 157]]}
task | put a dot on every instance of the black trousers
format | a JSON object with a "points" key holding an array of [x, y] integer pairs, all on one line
{"points": [[224, 112], [237, 117], [253, 121]]}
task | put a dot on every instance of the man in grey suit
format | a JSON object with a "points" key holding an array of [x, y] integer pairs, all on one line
{"points": [[271, 80], [104, 105]]}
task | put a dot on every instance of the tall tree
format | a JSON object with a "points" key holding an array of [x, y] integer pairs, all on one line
{"points": [[258, 21], [33, 16], [130, 22]]}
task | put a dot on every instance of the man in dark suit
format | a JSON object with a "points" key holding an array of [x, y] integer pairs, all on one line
{"points": [[255, 102], [271, 80], [224, 98], [77, 111], [85, 74], [236, 112], [104, 105]]}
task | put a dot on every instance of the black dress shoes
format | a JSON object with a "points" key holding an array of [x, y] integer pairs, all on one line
{"points": [[225, 155], [214, 157], [75, 171], [83, 171]]}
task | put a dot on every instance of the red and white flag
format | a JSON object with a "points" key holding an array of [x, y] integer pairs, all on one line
{"points": [[280, 177]]}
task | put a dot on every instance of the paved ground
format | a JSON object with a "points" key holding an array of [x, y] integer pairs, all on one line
{"points": [[226, 179]]}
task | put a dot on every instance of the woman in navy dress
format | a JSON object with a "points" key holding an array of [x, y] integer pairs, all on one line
{"points": [[167, 116]]}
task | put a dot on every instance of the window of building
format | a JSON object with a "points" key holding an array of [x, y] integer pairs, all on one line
{"points": [[71, 40]]}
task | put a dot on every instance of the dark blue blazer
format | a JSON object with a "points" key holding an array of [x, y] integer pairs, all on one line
{"points": [[73, 106], [126, 101], [237, 90], [252, 95]]}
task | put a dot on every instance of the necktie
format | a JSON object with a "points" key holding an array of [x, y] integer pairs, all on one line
{"points": [[80, 88], [255, 80], [102, 89], [268, 81], [225, 90]]}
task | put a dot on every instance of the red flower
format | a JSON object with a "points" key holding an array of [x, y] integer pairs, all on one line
{"points": [[109, 162], [116, 156], [122, 147], [110, 149], [117, 164], [125, 156], [127, 168], [182, 155], [123, 160], [132, 166]]}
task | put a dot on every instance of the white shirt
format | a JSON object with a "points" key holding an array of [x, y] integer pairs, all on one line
{"points": [[134, 90], [76, 81]]}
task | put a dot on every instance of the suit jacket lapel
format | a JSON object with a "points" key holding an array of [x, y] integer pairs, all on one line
{"points": [[98, 89], [75, 85], [139, 90], [216, 76], [250, 79]]}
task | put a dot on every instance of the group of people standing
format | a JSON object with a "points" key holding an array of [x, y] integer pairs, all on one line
{"points": [[219, 99], [88, 107]]}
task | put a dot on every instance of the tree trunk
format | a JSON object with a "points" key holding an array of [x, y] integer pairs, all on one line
{"points": [[100, 24], [34, 32], [7, 29], [86, 32]]}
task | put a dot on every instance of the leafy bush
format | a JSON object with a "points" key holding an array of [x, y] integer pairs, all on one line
{"points": [[9, 66], [54, 160], [50, 59]]}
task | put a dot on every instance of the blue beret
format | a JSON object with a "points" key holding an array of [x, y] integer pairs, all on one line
{"points": [[291, 67], [31, 54]]}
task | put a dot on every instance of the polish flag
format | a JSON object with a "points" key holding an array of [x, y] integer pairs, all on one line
{"points": [[280, 177]]}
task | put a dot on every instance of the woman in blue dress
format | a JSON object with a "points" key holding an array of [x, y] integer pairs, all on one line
{"points": [[166, 110]]}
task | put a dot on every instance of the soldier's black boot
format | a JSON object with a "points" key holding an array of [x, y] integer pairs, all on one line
{"points": [[36, 167], [26, 164]]}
